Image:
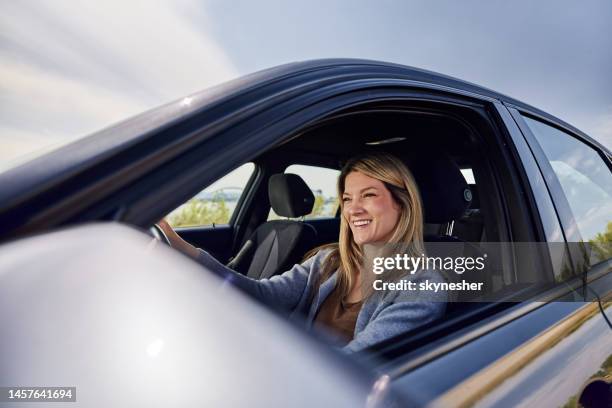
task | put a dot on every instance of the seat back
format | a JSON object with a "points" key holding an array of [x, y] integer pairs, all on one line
{"points": [[446, 197], [275, 246]]}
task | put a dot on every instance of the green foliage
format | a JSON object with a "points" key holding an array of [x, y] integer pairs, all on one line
{"points": [[216, 211], [200, 212], [607, 365], [572, 402], [605, 370], [318, 207], [335, 205], [601, 245]]}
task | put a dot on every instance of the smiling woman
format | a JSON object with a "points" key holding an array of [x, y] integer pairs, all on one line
{"points": [[380, 205]]}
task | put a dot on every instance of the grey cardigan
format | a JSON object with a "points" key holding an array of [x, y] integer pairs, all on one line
{"points": [[382, 316]]}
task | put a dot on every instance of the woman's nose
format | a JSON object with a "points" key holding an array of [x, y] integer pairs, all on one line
{"points": [[355, 208]]}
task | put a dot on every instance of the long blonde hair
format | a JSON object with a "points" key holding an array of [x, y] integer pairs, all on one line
{"points": [[347, 256]]}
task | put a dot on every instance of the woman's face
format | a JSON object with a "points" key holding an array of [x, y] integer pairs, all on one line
{"points": [[369, 209]]}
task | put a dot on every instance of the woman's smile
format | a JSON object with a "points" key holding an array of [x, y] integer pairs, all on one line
{"points": [[361, 223]]}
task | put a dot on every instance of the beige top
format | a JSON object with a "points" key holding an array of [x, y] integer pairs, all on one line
{"points": [[337, 315]]}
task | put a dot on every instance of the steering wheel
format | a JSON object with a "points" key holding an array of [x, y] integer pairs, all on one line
{"points": [[156, 232]]}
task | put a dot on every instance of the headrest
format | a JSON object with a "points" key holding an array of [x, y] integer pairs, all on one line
{"points": [[289, 195], [444, 191]]}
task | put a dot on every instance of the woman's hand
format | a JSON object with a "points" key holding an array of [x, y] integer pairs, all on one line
{"points": [[176, 241]]}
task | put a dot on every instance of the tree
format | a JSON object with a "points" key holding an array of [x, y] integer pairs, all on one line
{"points": [[200, 212], [319, 206], [601, 245]]}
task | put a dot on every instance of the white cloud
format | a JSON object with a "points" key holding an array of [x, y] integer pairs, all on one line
{"points": [[42, 100], [19, 146], [69, 68], [602, 129]]}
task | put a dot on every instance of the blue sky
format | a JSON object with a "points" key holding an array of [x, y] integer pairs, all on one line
{"points": [[69, 68]]}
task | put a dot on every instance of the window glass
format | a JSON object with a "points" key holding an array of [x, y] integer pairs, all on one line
{"points": [[216, 203], [322, 182], [585, 179]]}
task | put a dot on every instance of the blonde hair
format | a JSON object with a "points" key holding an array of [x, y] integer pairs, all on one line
{"points": [[347, 256]]}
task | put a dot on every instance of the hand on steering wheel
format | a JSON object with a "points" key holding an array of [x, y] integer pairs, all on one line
{"points": [[165, 233]]}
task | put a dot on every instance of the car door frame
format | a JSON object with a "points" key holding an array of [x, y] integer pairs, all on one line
{"points": [[495, 334], [561, 205]]}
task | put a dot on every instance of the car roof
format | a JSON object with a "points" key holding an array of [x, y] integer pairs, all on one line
{"points": [[426, 77], [135, 128]]}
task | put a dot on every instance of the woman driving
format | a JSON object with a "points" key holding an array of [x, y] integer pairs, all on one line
{"points": [[380, 207]]}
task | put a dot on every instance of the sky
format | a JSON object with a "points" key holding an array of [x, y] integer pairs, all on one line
{"points": [[70, 68]]}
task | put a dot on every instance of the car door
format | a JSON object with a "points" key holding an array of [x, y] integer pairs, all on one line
{"points": [[568, 360], [547, 351]]}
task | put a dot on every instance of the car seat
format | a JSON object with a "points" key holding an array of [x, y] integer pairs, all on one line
{"points": [[275, 246], [446, 197]]}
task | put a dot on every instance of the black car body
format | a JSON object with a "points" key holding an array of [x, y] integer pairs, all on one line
{"points": [[536, 352]]}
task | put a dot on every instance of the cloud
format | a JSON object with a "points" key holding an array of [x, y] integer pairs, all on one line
{"points": [[541, 52], [22, 145], [69, 68], [602, 129], [51, 103]]}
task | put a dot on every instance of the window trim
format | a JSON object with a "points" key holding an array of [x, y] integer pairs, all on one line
{"points": [[540, 201], [247, 192], [562, 207], [562, 126]]}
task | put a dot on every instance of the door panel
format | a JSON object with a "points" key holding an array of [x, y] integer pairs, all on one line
{"points": [[217, 240], [578, 346]]}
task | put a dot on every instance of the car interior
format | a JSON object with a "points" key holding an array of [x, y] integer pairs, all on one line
{"points": [[465, 177]]}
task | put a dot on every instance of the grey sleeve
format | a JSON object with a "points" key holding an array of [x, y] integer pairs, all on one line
{"points": [[396, 319], [284, 291], [402, 311]]}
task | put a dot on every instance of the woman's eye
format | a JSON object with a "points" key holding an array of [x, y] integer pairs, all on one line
{"points": [[369, 195], [345, 199]]}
